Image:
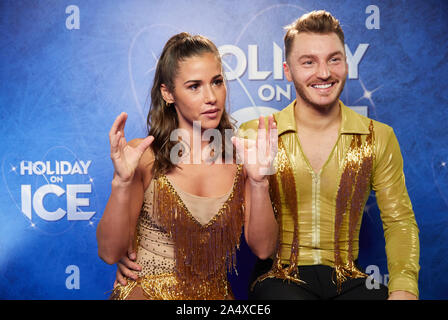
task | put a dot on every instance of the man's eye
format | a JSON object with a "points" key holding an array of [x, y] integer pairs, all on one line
{"points": [[307, 62]]}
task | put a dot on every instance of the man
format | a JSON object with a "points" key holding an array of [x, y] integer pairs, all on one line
{"points": [[329, 159]]}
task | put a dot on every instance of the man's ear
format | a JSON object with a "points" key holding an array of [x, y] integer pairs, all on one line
{"points": [[166, 94], [287, 71]]}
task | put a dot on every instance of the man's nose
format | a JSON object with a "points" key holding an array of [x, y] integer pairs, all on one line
{"points": [[323, 71]]}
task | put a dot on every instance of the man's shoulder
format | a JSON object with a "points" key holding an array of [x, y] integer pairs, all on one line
{"points": [[380, 129], [247, 128], [251, 124]]}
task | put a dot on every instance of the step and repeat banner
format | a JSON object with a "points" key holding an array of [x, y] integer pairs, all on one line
{"points": [[69, 67]]}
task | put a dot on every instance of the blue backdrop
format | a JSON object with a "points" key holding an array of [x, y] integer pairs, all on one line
{"points": [[68, 68]]}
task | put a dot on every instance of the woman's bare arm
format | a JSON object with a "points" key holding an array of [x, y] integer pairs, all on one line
{"points": [[116, 227], [260, 226]]}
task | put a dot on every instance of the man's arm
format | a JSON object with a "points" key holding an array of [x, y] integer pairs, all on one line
{"points": [[400, 227]]}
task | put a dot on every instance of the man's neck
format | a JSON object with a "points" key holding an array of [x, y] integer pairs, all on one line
{"points": [[315, 118]]}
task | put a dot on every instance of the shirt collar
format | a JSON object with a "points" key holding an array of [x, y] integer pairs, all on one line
{"points": [[352, 122], [285, 119]]}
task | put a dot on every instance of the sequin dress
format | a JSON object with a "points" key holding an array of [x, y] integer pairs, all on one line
{"points": [[185, 243]]}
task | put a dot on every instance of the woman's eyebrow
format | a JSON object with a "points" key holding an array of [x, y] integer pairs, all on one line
{"points": [[194, 81]]}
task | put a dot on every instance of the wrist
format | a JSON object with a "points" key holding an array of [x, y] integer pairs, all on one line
{"points": [[118, 183], [263, 183], [402, 295]]}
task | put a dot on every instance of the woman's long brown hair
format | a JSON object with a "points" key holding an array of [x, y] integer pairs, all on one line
{"points": [[162, 118]]}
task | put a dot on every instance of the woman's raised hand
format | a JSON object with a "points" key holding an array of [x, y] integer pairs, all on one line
{"points": [[258, 156], [124, 157]]}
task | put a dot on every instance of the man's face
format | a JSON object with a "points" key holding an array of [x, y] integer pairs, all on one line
{"points": [[317, 66]]}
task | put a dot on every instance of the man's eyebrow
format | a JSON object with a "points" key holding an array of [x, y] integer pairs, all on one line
{"points": [[308, 56], [336, 53]]}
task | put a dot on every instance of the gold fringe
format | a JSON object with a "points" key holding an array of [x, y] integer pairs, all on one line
{"points": [[350, 198], [286, 176], [201, 251], [168, 287], [122, 292]]}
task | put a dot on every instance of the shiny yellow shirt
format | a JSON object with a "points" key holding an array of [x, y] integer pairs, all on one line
{"points": [[316, 195]]}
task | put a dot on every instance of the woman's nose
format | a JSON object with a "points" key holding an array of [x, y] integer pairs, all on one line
{"points": [[209, 95]]}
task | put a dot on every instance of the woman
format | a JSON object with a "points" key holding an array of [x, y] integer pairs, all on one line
{"points": [[184, 212]]}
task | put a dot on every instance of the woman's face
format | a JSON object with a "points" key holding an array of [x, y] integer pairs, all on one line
{"points": [[199, 92]]}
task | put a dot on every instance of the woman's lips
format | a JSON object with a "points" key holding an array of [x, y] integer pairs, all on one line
{"points": [[211, 113]]}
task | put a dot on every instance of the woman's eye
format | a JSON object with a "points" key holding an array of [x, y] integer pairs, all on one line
{"points": [[218, 82], [193, 87]]}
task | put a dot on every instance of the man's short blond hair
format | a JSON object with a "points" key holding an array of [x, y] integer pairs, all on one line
{"points": [[319, 21]]}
